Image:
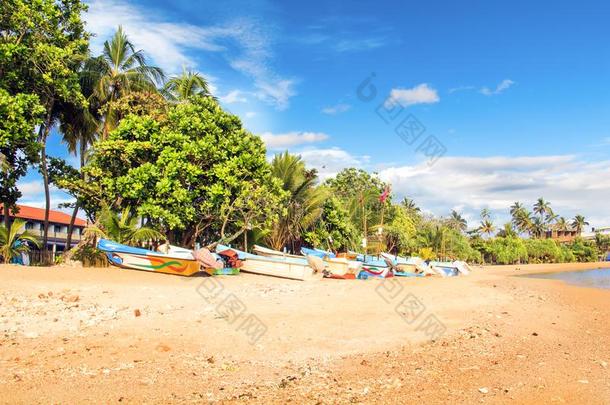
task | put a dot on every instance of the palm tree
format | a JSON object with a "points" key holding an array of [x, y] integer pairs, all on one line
{"points": [[487, 227], [188, 84], [12, 242], [579, 223], [507, 231], [410, 205], [122, 228], [516, 208], [305, 201], [538, 227], [79, 127], [541, 208], [119, 70], [457, 222], [562, 224]]}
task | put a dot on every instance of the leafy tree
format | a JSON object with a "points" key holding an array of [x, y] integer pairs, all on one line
{"points": [[579, 223], [186, 85], [410, 206], [542, 208], [304, 205], [400, 231], [562, 224], [14, 241], [43, 42], [360, 192], [334, 230], [18, 145], [180, 171], [122, 228]]}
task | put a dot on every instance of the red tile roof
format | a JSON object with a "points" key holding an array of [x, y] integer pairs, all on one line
{"points": [[37, 214]]}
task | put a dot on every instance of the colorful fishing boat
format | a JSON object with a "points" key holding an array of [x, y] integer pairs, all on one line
{"points": [[285, 267], [375, 272], [407, 266], [178, 261]]}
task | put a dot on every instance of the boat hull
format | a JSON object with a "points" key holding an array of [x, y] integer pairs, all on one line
{"points": [[293, 271], [155, 264]]}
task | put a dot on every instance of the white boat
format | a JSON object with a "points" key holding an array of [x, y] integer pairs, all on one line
{"points": [[285, 267]]}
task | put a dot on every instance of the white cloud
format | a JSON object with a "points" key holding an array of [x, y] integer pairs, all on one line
{"points": [[420, 94], [572, 185], [460, 88], [245, 44], [500, 88], [336, 109], [234, 96], [278, 141], [250, 114], [329, 162]]}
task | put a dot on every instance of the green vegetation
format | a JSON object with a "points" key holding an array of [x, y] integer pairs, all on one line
{"points": [[160, 159], [13, 242]]}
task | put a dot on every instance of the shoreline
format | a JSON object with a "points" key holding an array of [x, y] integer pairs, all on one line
{"points": [[85, 342]]}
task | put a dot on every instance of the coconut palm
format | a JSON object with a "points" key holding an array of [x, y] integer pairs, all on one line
{"points": [[507, 231], [516, 208], [487, 227], [538, 227], [562, 224], [119, 70], [188, 84], [305, 201], [542, 208], [13, 242], [122, 228], [410, 206], [579, 223], [457, 222]]}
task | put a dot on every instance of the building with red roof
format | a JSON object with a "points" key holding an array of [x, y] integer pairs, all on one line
{"points": [[58, 225]]}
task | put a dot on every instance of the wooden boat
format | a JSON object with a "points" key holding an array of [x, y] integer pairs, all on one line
{"points": [[175, 262], [374, 272], [413, 265], [286, 267], [263, 251]]}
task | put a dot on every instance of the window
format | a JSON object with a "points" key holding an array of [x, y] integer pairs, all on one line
{"points": [[29, 226], [57, 228]]}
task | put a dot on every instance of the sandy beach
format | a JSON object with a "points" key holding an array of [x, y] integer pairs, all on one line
{"points": [[72, 335]]}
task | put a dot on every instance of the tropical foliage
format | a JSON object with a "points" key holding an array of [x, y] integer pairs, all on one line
{"points": [[14, 241]]}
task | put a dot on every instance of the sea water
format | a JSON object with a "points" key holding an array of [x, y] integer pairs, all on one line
{"points": [[599, 278]]}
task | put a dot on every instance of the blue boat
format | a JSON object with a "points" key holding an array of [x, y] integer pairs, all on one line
{"points": [[322, 254]]}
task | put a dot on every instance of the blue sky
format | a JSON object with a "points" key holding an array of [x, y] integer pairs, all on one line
{"points": [[518, 93]]}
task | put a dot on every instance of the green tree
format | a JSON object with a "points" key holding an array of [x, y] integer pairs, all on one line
{"points": [[360, 191], [562, 224], [487, 227], [334, 230], [304, 204], [43, 42], [186, 85], [120, 70], [13, 240], [579, 223], [457, 222], [179, 171], [18, 144], [542, 208]]}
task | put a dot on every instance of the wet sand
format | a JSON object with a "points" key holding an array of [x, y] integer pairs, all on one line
{"points": [[71, 335]]}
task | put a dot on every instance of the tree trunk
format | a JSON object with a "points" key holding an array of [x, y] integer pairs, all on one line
{"points": [[7, 220], [75, 212], [47, 194]]}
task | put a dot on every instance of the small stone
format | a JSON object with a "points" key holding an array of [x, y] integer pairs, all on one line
{"points": [[603, 364], [484, 390], [535, 334], [211, 360], [137, 313]]}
